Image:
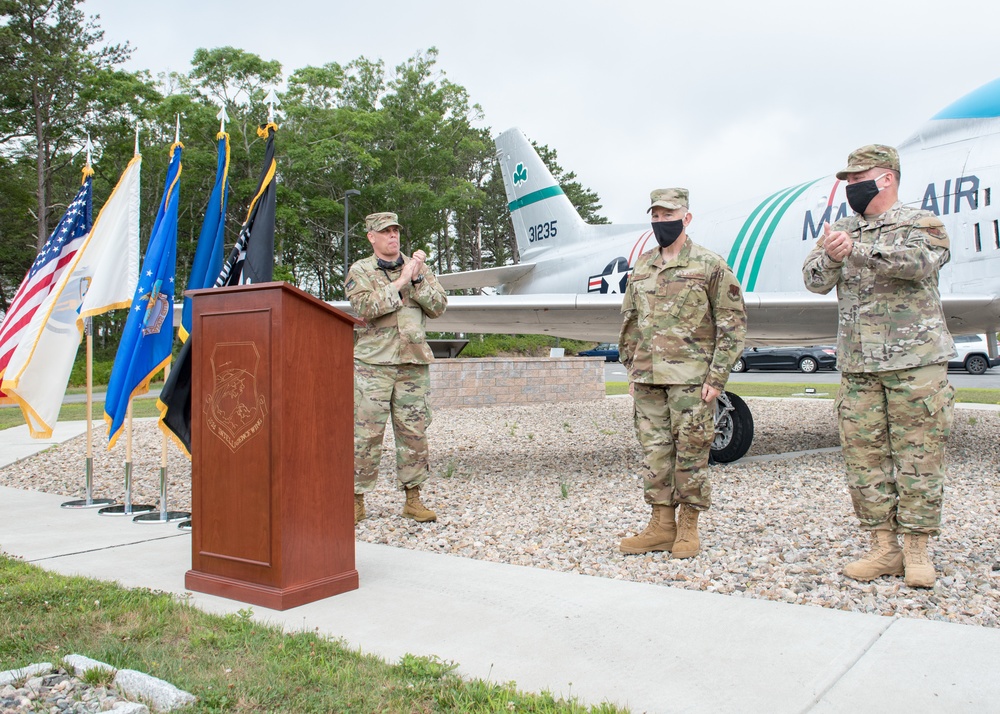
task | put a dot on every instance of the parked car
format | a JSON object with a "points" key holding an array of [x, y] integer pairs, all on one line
{"points": [[973, 356], [804, 359], [607, 350]]}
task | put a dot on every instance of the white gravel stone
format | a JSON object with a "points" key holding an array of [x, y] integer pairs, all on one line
{"points": [[557, 486]]}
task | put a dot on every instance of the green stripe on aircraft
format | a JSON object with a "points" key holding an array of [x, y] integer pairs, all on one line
{"points": [[770, 232], [770, 211], [743, 231], [534, 197], [741, 270]]}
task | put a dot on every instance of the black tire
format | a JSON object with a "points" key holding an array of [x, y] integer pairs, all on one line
{"points": [[808, 365], [733, 429], [976, 364], [740, 366]]}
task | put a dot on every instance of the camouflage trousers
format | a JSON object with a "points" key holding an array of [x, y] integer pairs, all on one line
{"points": [[381, 390], [893, 429], [675, 428]]}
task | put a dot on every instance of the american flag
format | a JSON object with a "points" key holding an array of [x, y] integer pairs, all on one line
{"points": [[53, 259]]}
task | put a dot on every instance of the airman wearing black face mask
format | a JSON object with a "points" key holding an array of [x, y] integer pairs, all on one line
{"points": [[895, 403], [683, 328]]}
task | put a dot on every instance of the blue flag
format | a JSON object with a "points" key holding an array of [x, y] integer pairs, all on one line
{"points": [[146, 343], [207, 262]]}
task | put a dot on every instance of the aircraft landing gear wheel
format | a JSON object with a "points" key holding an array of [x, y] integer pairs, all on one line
{"points": [[808, 365], [733, 429]]}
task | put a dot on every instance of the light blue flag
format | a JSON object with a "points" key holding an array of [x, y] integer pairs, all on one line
{"points": [[149, 331], [207, 262]]}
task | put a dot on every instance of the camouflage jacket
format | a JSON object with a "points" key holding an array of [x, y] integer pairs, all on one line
{"points": [[684, 320], [394, 329], [887, 290]]}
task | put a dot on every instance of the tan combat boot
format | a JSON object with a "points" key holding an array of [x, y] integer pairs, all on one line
{"points": [[884, 558], [659, 534], [359, 508], [917, 564], [415, 509], [687, 544]]}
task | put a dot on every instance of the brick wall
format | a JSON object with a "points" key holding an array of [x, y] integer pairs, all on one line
{"points": [[515, 380]]}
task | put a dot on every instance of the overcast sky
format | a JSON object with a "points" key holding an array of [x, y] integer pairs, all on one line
{"points": [[733, 99]]}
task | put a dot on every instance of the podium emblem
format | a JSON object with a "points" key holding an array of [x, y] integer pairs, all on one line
{"points": [[235, 411]]}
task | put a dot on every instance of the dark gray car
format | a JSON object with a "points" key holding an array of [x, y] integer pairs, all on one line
{"points": [[803, 359]]}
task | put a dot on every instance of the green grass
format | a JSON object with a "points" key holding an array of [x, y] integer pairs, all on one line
{"points": [[11, 416], [829, 391], [155, 386], [518, 345], [780, 389], [231, 663], [823, 391]]}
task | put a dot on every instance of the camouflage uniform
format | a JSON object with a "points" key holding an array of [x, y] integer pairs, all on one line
{"points": [[391, 372], [895, 404], [684, 323]]}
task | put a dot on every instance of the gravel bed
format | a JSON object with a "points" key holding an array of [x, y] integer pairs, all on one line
{"points": [[557, 486]]}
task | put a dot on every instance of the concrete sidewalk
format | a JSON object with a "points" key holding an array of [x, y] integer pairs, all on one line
{"points": [[650, 648]]}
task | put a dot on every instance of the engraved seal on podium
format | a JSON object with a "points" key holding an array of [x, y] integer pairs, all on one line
{"points": [[235, 411]]}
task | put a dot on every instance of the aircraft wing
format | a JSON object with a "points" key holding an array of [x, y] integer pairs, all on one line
{"points": [[487, 277], [795, 319], [587, 316], [799, 318]]}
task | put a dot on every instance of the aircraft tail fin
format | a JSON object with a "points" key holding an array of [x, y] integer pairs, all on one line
{"points": [[542, 215]]}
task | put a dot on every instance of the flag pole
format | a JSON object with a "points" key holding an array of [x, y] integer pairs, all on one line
{"points": [[89, 501], [88, 328], [128, 508], [164, 516]]}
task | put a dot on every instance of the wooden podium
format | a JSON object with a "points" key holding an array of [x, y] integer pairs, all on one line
{"points": [[272, 446]]}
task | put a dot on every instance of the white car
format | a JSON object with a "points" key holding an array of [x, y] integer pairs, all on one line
{"points": [[973, 356]]}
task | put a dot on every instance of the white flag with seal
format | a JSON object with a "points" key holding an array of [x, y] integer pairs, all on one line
{"points": [[102, 277]]}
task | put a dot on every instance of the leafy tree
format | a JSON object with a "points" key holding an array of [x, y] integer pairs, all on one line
{"points": [[238, 81], [426, 156], [409, 139], [17, 247], [326, 151], [51, 70], [583, 199]]}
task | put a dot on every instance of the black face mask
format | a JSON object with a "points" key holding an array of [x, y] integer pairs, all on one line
{"points": [[393, 265], [666, 232], [860, 194]]}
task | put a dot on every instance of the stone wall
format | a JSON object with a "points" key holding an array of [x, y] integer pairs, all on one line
{"points": [[492, 381]]}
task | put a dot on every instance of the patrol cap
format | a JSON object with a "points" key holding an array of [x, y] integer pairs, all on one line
{"points": [[868, 157], [669, 198], [380, 221]]}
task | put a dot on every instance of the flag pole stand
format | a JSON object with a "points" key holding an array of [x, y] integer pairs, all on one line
{"points": [[127, 508], [89, 501], [164, 516]]}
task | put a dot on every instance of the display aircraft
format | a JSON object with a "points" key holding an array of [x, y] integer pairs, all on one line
{"points": [[571, 275]]}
